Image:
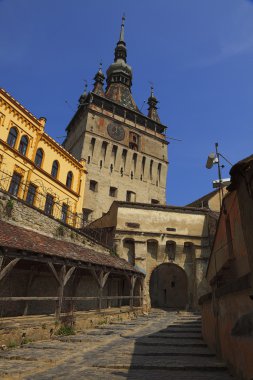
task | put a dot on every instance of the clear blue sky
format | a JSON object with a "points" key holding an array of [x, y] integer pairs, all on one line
{"points": [[198, 54]]}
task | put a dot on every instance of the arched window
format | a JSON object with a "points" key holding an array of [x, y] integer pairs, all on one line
{"points": [[129, 250], [171, 249], [23, 145], [151, 170], [69, 180], [152, 248], [12, 137], [39, 158], [55, 168]]}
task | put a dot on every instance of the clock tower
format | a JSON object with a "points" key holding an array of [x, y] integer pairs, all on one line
{"points": [[125, 151]]}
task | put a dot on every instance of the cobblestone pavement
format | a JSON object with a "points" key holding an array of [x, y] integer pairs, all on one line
{"points": [[160, 345]]}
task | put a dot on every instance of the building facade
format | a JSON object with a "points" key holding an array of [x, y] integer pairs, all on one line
{"points": [[35, 168], [125, 151], [170, 244], [227, 310]]}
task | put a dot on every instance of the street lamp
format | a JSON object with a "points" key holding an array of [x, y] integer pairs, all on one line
{"points": [[214, 158]]}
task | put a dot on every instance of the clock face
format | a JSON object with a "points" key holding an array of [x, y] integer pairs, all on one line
{"points": [[116, 131]]}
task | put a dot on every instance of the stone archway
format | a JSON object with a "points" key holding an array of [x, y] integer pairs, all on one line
{"points": [[168, 287]]}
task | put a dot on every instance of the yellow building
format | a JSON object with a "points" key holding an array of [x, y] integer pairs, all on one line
{"points": [[35, 168]]}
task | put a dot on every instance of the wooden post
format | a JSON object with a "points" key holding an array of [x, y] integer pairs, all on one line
{"points": [[32, 275], [141, 292], [60, 292], [101, 279], [132, 280], [62, 279]]}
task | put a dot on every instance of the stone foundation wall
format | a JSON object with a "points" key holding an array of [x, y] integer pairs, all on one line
{"points": [[16, 212], [14, 331]]}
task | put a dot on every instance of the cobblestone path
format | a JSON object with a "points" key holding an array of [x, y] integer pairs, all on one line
{"points": [[161, 345]]}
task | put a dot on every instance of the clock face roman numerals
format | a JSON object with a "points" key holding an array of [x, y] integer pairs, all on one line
{"points": [[116, 131]]}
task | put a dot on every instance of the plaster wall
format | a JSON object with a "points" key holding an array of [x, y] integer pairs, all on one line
{"points": [[117, 166], [13, 115]]}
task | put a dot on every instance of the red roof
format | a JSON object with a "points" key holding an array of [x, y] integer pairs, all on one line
{"points": [[15, 237]]}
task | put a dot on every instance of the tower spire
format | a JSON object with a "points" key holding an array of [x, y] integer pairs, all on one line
{"points": [[99, 81], [83, 97], [122, 29], [120, 52]]}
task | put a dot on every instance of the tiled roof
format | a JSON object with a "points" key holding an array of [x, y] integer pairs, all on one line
{"points": [[200, 201], [15, 237]]}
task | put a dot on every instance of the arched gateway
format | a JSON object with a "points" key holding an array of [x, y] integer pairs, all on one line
{"points": [[168, 286]]}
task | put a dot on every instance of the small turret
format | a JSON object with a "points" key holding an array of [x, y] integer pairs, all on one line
{"points": [[99, 82], [152, 109], [83, 97]]}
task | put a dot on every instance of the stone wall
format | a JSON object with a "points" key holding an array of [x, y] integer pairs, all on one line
{"points": [[185, 230], [17, 212], [227, 329], [142, 171]]}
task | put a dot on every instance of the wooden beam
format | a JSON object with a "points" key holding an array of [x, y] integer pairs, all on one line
{"points": [[6, 270], [69, 274], [1, 262], [33, 298], [51, 266]]}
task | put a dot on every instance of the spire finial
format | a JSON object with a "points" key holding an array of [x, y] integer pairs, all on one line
{"points": [[85, 86], [152, 91], [122, 30], [100, 66]]}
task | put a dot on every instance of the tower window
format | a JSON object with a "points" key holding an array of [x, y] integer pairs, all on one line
{"points": [[130, 196], [93, 185], [159, 169], [113, 191], [92, 146], [23, 145], [124, 157], [39, 158], [104, 149], [12, 137], [154, 201], [133, 141], [151, 170], [114, 153]]}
